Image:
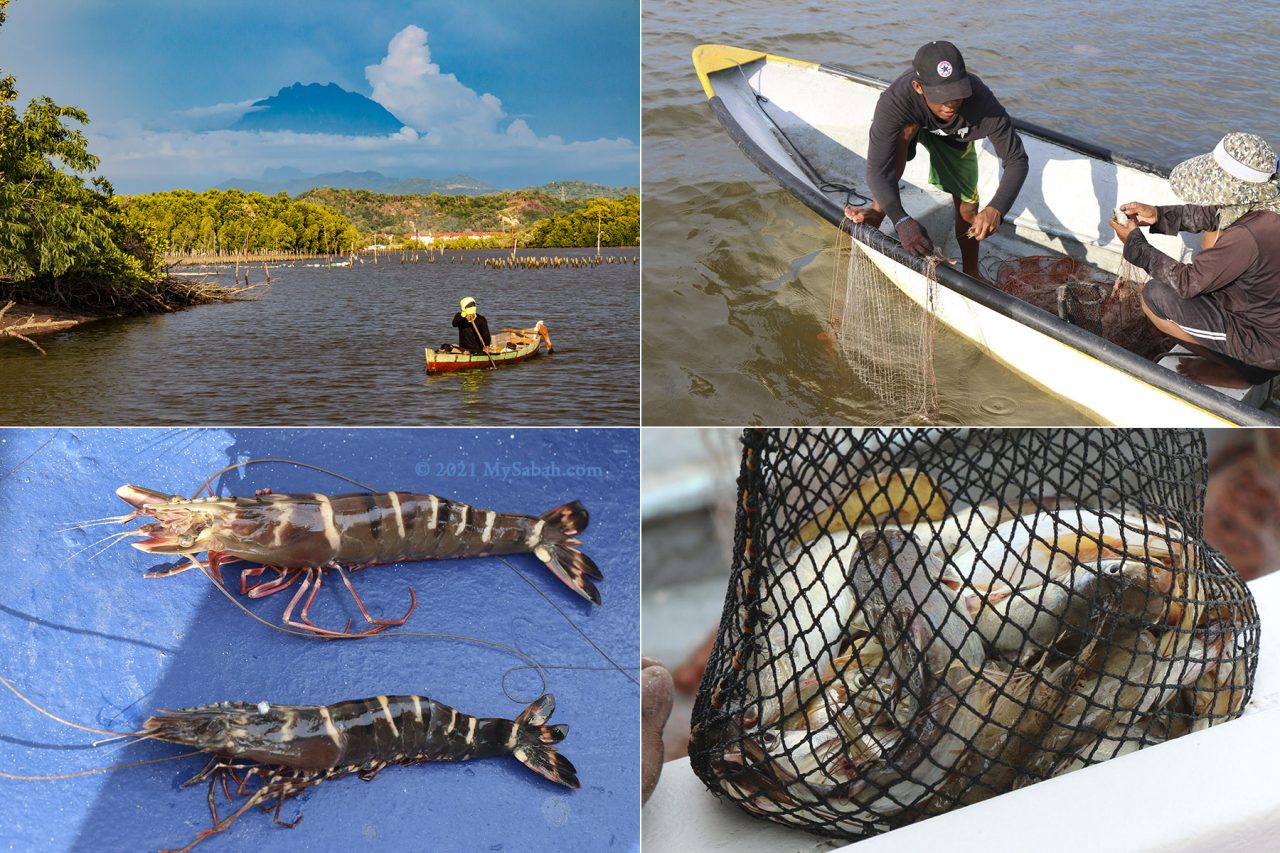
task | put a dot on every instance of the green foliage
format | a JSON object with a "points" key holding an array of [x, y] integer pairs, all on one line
{"points": [[398, 214], [616, 221], [479, 243], [582, 191], [52, 224], [526, 211], [228, 221]]}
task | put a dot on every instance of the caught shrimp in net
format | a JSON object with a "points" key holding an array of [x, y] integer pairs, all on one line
{"points": [[918, 621]]}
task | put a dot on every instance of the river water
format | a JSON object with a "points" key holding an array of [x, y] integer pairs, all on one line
{"points": [[737, 274], [345, 346]]}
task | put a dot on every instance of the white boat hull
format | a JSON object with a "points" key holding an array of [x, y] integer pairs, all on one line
{"points": [[1089, 384]]}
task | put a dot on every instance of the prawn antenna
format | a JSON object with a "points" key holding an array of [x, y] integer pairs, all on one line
{"points": [[531, 662], [109, 539], [129, 737], [565, 616], [97, 522], [16, 692], [23, 778], [207, 484]]}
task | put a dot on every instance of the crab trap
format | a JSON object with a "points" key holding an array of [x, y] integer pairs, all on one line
{"points": [[920, 620]]}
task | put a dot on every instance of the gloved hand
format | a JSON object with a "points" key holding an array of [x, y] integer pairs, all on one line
{"points": [[913, 237]]}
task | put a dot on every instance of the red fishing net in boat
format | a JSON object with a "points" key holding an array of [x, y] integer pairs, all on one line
{"points": [[920, 620], [1079, 294]]}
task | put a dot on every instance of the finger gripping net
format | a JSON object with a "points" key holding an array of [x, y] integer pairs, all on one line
{"points": [[917, 621]]}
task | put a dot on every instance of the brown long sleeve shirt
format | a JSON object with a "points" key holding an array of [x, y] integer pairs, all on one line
{"points": [[1241, 273]]}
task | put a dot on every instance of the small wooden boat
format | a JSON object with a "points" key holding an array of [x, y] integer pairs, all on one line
{"points": [[510, 346], [806, 125]]}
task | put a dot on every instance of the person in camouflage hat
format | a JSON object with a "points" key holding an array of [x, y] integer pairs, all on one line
{"points": [[1225, 304]]}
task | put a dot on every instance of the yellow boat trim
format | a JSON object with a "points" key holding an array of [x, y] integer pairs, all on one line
{"points": [[710, 58]]}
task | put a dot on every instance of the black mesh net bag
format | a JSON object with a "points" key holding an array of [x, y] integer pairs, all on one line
{"points": [[917, 621]]}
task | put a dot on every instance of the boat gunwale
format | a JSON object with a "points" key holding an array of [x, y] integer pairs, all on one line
{"points": [[474, 360], [1113, 355]]}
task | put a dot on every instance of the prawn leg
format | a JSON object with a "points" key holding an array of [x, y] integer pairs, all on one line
{"points": [[275, 817], [313, 581], [213, 565], [220, 826], [384, 623], [262, 589], [178, 569]]}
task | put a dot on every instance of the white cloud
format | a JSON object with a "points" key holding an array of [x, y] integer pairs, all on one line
{"points": [[214, 117], [140, 160], [451, 129], [435, 104]]}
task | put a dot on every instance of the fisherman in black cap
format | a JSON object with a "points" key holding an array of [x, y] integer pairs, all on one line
{"points": [[939, 105]]}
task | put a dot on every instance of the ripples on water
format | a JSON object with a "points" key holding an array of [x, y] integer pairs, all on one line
{"points": [[345, 346], [737, 274]]}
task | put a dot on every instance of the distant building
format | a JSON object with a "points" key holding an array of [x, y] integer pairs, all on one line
{"points": [[447, 236]]}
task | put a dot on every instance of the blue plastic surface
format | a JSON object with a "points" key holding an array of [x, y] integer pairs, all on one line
{"points": [[86, 636]]}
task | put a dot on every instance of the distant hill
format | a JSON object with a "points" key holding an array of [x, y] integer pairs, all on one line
{"points": [[289, 180], [582, 190], [386, 213], [320, 108], [295, 183]]}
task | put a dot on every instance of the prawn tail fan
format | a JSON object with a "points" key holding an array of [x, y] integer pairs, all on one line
{"points": [[556, 546], [535, 743]]}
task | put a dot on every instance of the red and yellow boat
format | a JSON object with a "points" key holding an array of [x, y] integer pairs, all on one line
{"points": [[509, 347]]}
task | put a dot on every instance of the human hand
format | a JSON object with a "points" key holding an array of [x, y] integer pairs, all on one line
{"points": [[655, 708], [914, 238], [985, 223], [1144, 214], [1123, 231]]}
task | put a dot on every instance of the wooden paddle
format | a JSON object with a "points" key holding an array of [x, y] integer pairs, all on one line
{"points": [[480, 337]]}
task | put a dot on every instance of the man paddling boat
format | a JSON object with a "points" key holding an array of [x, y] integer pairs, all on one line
{"points": [[939, 105], [473, 328], [1225, 304]]}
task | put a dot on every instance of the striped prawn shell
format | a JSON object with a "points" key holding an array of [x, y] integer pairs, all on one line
{"points": [[314, 530], [352, 734], [362, 735]]}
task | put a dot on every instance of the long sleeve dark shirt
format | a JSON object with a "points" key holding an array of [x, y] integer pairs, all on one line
{"points": [[1241, 273], [981, 115], [467, 338]]}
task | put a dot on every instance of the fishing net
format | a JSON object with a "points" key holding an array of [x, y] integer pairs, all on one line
{"points": [[885, 337], [917, 621], [1082, 296]]}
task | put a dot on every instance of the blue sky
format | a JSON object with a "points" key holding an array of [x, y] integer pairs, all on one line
{"points": [[513, 92]]}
